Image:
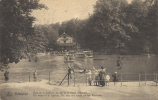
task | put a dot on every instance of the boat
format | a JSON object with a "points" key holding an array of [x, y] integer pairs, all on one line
{"points": [[148, 54], [60, 53], [41, 54], [80, 54], [100, 59], [85, 71], [88, 54], [54, 52], [72, 52], [68, 58]]}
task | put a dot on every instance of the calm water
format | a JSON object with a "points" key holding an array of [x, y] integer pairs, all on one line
{"points": [[132, 64]]}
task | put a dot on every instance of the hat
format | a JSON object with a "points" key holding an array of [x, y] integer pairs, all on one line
{"points": [[102, 68]]}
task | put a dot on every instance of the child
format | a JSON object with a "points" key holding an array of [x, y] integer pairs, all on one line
{"points": [[107, 78], [89, 81]]}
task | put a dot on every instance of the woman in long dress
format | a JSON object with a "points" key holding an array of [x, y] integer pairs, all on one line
{"points": [[102, 76]]}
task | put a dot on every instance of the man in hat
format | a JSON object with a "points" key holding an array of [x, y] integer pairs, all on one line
{"points": [[115, 78]]}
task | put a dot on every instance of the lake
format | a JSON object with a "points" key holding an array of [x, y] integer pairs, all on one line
{"points": [[132, 66]]}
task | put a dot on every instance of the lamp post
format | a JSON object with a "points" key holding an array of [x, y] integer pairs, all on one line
{"points": [[53, 15]]}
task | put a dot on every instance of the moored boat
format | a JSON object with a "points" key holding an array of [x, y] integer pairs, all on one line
{"points": [[80, 54], [88, 54]]}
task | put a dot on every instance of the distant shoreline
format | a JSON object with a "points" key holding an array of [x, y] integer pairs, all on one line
{"points": [[103, 53]]}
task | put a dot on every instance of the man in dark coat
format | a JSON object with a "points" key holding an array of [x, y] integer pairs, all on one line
{"points": [[102, 76], [119, 63], [115, 78], [6, 75], [70, 71]]}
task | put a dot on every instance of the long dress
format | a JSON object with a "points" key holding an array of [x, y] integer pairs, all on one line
{"points": [[102, 77]]}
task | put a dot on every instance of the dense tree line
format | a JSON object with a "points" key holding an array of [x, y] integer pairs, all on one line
{"points": [[128, 28], [117, 27], [50, 32]]}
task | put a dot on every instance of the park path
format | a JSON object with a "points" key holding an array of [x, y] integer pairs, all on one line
{"points": [[111, 92]]}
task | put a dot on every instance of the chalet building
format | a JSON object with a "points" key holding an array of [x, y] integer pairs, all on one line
{"points": [[66, 42]]}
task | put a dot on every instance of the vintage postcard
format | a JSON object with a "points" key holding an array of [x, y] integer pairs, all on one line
{"points": [[78, 49]]}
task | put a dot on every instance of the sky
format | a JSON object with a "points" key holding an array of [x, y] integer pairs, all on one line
{"points": [[62, 10]]}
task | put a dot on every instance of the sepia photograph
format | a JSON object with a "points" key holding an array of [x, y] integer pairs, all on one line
{"points": [[78, 49]]}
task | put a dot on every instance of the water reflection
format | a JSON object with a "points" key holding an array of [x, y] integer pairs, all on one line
{"points": [[131, 63]]}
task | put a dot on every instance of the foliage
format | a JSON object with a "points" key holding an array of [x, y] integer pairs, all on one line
{"points": [[16, 28], [117, 27], [50, 32], [114, 27]]}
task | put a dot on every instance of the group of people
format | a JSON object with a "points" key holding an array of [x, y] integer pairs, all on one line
{"points": [[68, 58], [102, 78]]}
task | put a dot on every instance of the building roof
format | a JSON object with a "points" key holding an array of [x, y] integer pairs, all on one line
{"points": [[64, 34]]}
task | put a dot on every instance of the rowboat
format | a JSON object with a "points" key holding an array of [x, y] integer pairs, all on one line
{"points": [[68, 58], [88, 54], [80, 54]]}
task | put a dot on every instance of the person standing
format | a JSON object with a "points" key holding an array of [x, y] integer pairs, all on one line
{"points": [[89, 77], [97, 78], [107, 78], [102, 76], [36, 59], [119, 63], [115, 78], [35, 76], [89, 81], [70, 71], [6, 75]]}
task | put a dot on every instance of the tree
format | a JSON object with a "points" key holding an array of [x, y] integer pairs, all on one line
{"points": [[109, 24], [144, 16], [50, 32], [16, 29], [152, 26]]}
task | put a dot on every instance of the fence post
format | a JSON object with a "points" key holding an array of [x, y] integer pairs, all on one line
{"points": [[86, 79], [49, 77], [68, 78], [156, 80], [121, 79], [154, 76], [29, 76], [74, 79], [139, 80], [145, 78]]}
